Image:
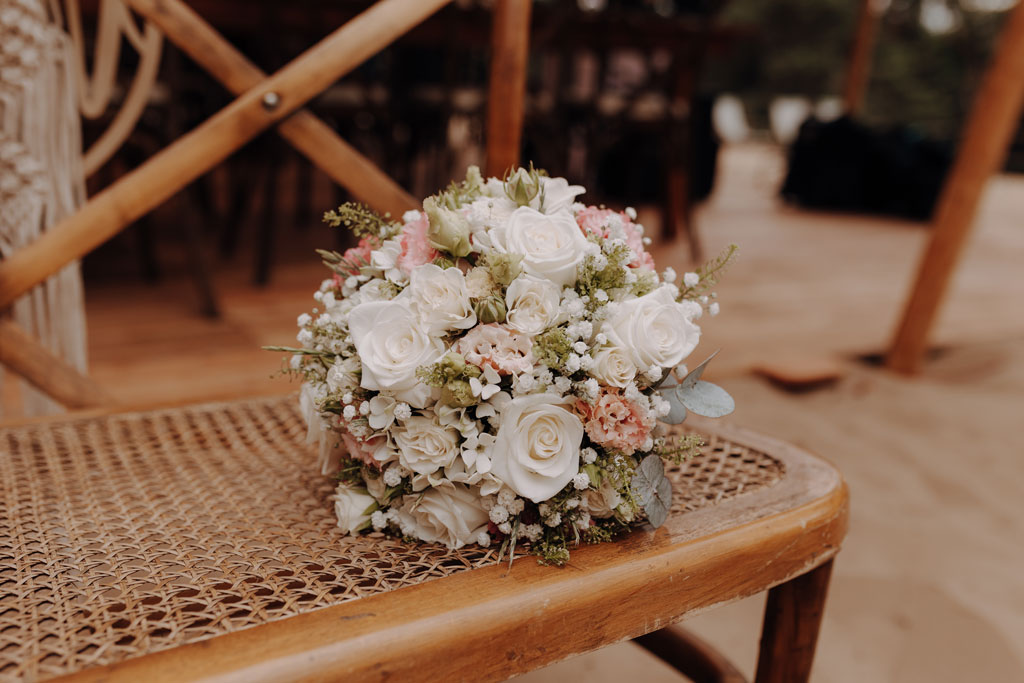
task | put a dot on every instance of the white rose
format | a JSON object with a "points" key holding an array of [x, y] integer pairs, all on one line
{"points": [[451, 514], [601, 503], [537, 451], [440, 298], [353, 507], [424, 446], [391, 345], [613, 367], [532, 304], [558, 195], [551, 246], [654, 329], [488, 212]]}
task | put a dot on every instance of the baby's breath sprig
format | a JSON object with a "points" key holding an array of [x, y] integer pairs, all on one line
{"points": [[709, 274], [362, 221]]}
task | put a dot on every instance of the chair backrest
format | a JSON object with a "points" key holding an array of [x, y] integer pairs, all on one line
{"points": [[263, 101]]}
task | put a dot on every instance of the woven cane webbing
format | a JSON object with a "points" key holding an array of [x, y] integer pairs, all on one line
{"points": [[128, 534]]}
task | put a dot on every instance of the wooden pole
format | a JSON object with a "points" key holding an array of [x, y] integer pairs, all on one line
{"points": [[311, 136], [510, 54], [20, 352], [201, 149], [859, 67], [994, 117]]}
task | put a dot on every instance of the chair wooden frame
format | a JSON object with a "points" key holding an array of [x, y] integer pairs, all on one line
{"points": [[263, 101]]}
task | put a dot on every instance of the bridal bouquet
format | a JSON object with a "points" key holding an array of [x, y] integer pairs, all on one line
{"points": [[493, 368]]}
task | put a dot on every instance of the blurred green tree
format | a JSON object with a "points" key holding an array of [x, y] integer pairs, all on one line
{"points": [[927, 61]]}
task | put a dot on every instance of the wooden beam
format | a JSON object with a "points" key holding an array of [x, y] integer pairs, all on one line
{"points": [[23, 354], [510, 54], [308, 134], [200, 150], [858, 68], [995, 116]]}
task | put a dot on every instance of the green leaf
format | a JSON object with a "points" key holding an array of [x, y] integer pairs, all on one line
{"points": [[705, 398], [677, 411], [653, 489], [695, 374]]}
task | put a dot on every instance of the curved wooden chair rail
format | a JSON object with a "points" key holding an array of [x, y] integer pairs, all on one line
{"points": [[200, 542]]}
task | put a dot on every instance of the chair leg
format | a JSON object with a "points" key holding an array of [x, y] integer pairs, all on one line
{"points": [[690, 656], [792, 618]]}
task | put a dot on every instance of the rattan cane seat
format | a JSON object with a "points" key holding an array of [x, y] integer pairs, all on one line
{"points": [[131, 534]]}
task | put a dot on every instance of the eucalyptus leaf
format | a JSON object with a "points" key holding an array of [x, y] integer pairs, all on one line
{"points": [[653, 489], [668, 382], [705, 398], [695, 374], [677, 411]]}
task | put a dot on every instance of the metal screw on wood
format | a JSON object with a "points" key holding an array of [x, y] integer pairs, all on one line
{"points": [[271, 100]]}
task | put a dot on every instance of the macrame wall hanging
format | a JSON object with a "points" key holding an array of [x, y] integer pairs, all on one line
{"points": [[41, 178], [45, 86]]}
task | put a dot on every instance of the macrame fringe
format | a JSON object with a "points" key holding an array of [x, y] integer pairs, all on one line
{"points": [[41, 179]]}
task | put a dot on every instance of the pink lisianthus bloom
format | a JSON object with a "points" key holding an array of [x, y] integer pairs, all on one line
{"points": [[506, 351], [360, 254], [362, 450], [616, 423], [416, 249], [594, 221]]}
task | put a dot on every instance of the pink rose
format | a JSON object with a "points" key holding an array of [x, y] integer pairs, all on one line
{"points": [[360, 254], [616, 423], [506, 351], [416, 249], [594, 221]]}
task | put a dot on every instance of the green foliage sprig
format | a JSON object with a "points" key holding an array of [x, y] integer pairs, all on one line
{"points": [[457, 195], [680, 448], [709, 273], [362, 221]]}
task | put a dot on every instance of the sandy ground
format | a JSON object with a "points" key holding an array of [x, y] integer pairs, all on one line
{"points": [[930, 585]]}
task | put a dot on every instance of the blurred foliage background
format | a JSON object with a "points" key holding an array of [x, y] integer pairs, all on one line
{"points": [[928, 58]]}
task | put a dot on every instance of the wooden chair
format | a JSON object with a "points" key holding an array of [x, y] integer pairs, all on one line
{"points": [[263, 101], [200, 542]]}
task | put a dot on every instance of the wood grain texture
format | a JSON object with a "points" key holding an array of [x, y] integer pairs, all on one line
{"points": [[491, 623], [792, 618], [510, 56], [307, 133], [23, 354], [995, 115], [201, 149]]}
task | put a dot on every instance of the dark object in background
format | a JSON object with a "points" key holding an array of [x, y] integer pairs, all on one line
{"points": [[844, 165], [634, 167]]}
